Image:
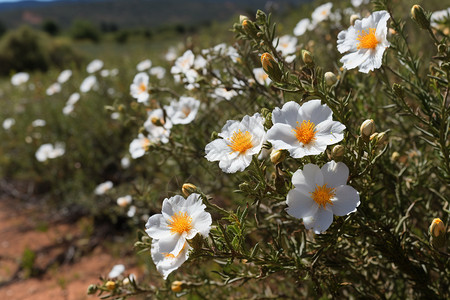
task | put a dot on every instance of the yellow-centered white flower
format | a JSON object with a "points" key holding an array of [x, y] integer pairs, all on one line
{"points": [[304, 130], [181, 219], [139, 87], [182, 111], [364, 42], [239, 142], [319, 193]]}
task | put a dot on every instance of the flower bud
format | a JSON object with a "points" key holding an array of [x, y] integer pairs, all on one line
{"points": [[177, 286], [382, 138], [214, 135], [188, 188], [242, 18], [261, 16], [353, 19], [157, 121], [307, 57], [367, 129], [330, 78], [277, 156], [338, 152], [418, 15], [437, 233], [442, 48], [373, 136], [92, 289], [250, 28], [271, 67], [398, 90], [110, 285]]}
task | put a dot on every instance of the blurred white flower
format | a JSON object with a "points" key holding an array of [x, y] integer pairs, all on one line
{"points": [[144, 65], [20, 78], [287, 46], [159, 72], [105, 73], [139, 146], [48, 151], [302, 26], [114, 72], [116, 271], [94, 66], [180, 221], [157, 127], [223, 93], [64, 76], [239, 141], [184, 63], [103, 187], [171, 54], [439, 15], [73, 98], [261, 76], [182, 111], [53, 89], [319, 193], [139, 87], [115, 115], [38, 123], [8, 123], [357, 3], [131, 211], [68, 109], [125, 162], [124, 201], [365, 42], [321, 13], [304, 130], [88, 83]]}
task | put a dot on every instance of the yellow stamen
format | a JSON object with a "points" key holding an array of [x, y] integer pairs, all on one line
{"points": [[180, 222], [186, 111], [241, 141], [145, 143], [142, 87], [305, 132], [322, 195], [367, 39]]}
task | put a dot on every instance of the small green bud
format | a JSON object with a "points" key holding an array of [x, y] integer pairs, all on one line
{"points": [[214, 135], [330, 78], [367, 129], [278, 156], [446, 67], [242, 18], [110, 285], [437, 233], [442, 48], [271, 67], [307, 57], [92, 289], [353, 19], [157, 121], [418, 15], [177, 286], [245, 187], [260, 16], [250, 28], [398, 90], [188, 188], [338, 152]]}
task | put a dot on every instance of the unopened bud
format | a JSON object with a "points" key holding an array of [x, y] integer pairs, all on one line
{"points": [[437, 233], [92, 289], [188, 188], [418, 15], [330, 78], [398, 90], [338, 152], [242, 18], [245, 187], [214, 135], [382, 138], [157, 121], [271, 67], [373, 136], [367, 129], [260, 16], [277, 156], [110, 285], [250, 28], [442, 48], [307, 57], [177, 286], [353, 19]]}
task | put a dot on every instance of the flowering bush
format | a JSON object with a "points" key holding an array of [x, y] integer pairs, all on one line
{"points": [[327, 178]]}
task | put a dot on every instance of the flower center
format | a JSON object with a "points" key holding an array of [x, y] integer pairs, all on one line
{"points": [[145, 142], [241, 141], [322, 195], [180, 222], [186, 111], [142, 87], [367, 39], [305, 132]]}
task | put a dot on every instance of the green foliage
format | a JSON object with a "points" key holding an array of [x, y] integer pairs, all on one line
{"points": [[84, 30]]}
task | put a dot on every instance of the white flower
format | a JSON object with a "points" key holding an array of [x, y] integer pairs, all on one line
{"points": [[53, 89], [304, 130], [287, 47], [103, 187], [357, 3], [124, 201], [105, 73], [439, 16], [94, 66], [73, 98], [321, 13], [139, 146], [261, 76], [181, 220], [182, 111], [48, 151], [365, 42], [20, 78], [139, 87], [319, 193], [115, 115], [68, 109], [64, 76], [38, 123], [116, 271], [114, 72], [159, 72], [157, 127], [171, 54], [239, 142], [8, 123], [131, 211], [223, 93], [125, 162], [88, 83], [302, 26], [183, 63], [144, 65]]}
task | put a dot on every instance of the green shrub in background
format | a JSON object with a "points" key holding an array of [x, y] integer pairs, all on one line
{"points": [[85, 30]]}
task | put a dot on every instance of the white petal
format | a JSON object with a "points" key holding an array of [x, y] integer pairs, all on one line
{"points": [[237, 164], [345, 201], [167, 264], [300, 204], [172, 244], [315, 112], [288, 114], [308, 177], [335, 174], [320, 221], [157, 227], [217, 150], [202, 222], [305, 150], [282, 136]]}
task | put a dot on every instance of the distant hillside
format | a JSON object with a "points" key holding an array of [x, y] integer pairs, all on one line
{"points": [[132, 13]]}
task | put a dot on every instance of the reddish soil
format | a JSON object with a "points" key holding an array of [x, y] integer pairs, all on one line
{"points": [[59, 271]]}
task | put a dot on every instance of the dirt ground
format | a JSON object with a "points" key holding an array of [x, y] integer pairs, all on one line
{"points": [[58, 270]]}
